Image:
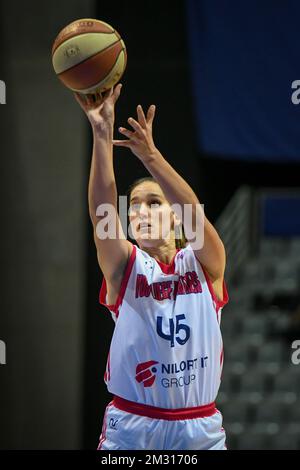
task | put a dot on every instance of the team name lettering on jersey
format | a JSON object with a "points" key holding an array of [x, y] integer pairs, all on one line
{"points": [[189, 283]]}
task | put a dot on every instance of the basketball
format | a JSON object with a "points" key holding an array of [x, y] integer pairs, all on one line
{"points": [[89, 56]]}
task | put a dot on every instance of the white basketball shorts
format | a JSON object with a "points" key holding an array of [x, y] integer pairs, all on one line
{"points": [[124, 430]]}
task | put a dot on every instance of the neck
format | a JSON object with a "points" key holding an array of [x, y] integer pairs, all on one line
{"points": [[163, 252]]}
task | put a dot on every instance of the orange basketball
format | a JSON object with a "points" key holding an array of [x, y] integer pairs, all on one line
{"points": [[89, 56]]}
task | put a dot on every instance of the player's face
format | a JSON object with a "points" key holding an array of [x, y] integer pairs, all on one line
{"points": [[150, 215]]}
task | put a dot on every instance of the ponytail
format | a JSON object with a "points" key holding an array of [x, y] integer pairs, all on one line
{"points": [[180, 240]]}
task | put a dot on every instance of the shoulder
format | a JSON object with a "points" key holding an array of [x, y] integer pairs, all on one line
{"points": [[216, 286]]}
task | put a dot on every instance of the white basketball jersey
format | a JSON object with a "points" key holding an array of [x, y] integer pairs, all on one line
{"points": [[166, 350]]}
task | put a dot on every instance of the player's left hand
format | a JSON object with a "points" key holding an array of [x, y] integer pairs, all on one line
{"points": [[140, 140]]}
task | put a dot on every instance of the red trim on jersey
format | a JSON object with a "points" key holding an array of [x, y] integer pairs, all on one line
{"points": [[164, 413], [168, 268], [218, 303], [107, 370], [221, 362], [222, 357], [103, 291]]}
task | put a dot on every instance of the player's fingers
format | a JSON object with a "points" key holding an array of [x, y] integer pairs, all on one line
{"points": [[122, 143], [136, 126], [126, 132], [117, 92], [141, 116], [94, 100], [151, 114], [107, 94], [90, 99], [98, 96]]}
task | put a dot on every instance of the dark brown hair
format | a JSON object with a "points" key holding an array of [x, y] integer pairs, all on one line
{"points": [[179, 242]]}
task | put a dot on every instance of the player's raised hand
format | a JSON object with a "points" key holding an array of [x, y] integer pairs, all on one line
{"points": [[100, 108], [140, 140]]}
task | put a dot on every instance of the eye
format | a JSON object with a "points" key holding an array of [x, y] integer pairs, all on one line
{"points": [[134, 207], [155, 203]]}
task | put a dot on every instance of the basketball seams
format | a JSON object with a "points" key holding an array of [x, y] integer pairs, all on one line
{"points": [[106, 79], [70, 31], [89, 55], [71, 35], [87, 48], [107, 73]]}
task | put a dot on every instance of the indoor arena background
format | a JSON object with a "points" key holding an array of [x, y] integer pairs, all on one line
{"points": [[224, 78]]}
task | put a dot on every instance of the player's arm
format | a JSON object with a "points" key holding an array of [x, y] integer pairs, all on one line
{"points": [[112, 252], [204, 238]]}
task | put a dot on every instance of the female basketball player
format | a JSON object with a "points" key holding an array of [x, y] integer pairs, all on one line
{"points": [[166, 354]]}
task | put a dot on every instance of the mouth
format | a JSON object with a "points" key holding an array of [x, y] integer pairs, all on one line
{"points": [[143, 226]]}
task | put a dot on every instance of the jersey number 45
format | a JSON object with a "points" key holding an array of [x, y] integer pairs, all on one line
{"points": [[174, 330]]}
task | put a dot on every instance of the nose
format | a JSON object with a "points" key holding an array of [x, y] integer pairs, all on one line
{"points": [[143, 210]]}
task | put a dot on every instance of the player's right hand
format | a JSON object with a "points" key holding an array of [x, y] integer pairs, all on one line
{"points": [[100, 108]]}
